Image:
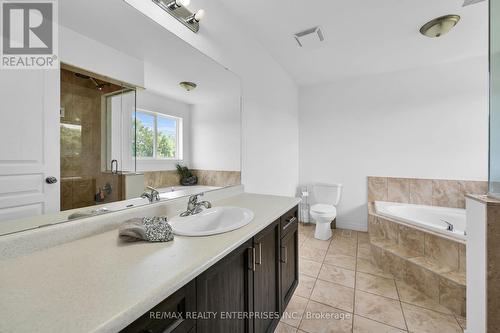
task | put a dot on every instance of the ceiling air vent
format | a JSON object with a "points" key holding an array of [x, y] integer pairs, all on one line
{"points": [[471, 2], [310, 38]]}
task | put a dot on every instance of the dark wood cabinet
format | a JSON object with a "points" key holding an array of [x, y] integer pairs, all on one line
{"points": [[266, 279], [170, 316], [226, 289], [289, 256], [245, 292]]}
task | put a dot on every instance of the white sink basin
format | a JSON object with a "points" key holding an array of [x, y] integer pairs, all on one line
{"points": [[212, 221]]}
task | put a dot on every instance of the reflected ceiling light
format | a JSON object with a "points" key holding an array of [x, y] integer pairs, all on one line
{"points": [[178, 3], [439, 26], [198, 16], [177, 8], [188, 86]]}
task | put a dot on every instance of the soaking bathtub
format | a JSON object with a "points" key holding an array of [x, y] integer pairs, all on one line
{"points": [[432, 218]]}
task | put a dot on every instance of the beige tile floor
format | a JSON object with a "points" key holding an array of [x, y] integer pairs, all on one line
{"points": [[341, 291]]}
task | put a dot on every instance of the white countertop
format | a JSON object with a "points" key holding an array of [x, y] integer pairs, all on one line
{"points": [[99, 284]]}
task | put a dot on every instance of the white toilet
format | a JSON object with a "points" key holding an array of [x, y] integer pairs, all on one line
{"points": [[326, 196]]}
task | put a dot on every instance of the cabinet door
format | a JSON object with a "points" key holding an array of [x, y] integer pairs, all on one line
{"points": [[170, 315], [266, 278], [226, 289], [289, 258]]}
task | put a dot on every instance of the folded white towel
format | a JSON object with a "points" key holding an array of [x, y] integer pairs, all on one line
{"points": [[151, 229]]}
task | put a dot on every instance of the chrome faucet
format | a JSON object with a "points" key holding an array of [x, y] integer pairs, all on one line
{"points": [[194, 207], [449, 226], [152, 196]]}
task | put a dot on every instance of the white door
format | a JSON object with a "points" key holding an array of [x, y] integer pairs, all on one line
{"points": [[29, 142]]}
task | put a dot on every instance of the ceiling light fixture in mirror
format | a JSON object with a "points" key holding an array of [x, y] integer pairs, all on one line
{"points": [[177, 8]]}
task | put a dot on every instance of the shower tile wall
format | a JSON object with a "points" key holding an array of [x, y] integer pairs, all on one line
{"points": [[433, 192], [80, 130]]}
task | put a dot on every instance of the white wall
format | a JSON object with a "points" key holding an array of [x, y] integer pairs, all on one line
{"points": [[155, 103], [216, 135], [270, 97], [80, 51], [429, 123]]}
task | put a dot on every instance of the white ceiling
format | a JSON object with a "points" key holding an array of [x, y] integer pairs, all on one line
{"points": [[362, 37], [169, 59]]}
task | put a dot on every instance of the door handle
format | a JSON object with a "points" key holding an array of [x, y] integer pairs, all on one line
{"points": [[115, 163], [51, 180]]}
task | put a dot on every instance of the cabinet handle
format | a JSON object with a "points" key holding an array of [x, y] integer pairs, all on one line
{"points": [[171, 328], [284, 256], [289, 222], [260, 253], [253, 259]]}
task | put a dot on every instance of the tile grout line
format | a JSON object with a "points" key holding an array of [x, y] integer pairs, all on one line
{"points": [[454, 316], [308, 298], [354, 290], [386, 324], [355, 281], [401, 305], [307, 303], [323, 264]]}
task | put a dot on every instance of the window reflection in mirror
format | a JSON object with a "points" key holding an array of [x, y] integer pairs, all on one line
{"points": [[158, 136]]}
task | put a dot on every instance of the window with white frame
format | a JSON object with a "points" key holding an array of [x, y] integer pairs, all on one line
{"points": [[158, 136]]}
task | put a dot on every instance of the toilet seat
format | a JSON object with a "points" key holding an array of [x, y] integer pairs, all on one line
{"points": [[327, 197], [324, 209], [323, 214]]}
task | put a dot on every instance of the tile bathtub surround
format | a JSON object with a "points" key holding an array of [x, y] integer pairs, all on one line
{"points": [[432, 192], [431, 264], [160, 179], [350, 294], [218, 178], [205, 177]]}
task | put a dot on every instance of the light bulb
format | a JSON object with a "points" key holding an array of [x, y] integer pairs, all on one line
{"points": [[200, 14], [184, 3]]}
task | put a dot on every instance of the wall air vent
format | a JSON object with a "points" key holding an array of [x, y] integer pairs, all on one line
{"points": [[471, 2], [310, 38]]}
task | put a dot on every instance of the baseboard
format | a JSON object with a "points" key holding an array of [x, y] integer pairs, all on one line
{"points": [[352, 226], [346, 225]]}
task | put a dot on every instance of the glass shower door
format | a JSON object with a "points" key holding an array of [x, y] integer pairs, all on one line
{"points": [[117, 157]]}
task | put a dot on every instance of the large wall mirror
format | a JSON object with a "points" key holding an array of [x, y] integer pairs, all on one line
{"points": [[494, 55], [137, 109]]}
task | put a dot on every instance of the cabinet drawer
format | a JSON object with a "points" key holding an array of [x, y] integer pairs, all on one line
{"points": [[170, 315], [289, 220]]}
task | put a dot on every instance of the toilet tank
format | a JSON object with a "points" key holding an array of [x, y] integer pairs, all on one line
{"points": [[327, 193]]}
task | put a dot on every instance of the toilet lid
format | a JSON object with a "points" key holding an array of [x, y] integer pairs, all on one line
{"points": [[323, 209]]}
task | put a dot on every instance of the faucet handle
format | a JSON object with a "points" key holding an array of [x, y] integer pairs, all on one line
{"points": [[193, 199]]}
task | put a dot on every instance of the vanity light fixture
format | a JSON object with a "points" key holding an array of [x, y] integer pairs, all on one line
{"points": [[178, 3], [177, 8], [198, 16], [188, 85]]}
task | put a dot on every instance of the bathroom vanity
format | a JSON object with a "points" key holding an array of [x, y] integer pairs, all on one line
{"points": [[246, 291], [77, 277]]}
